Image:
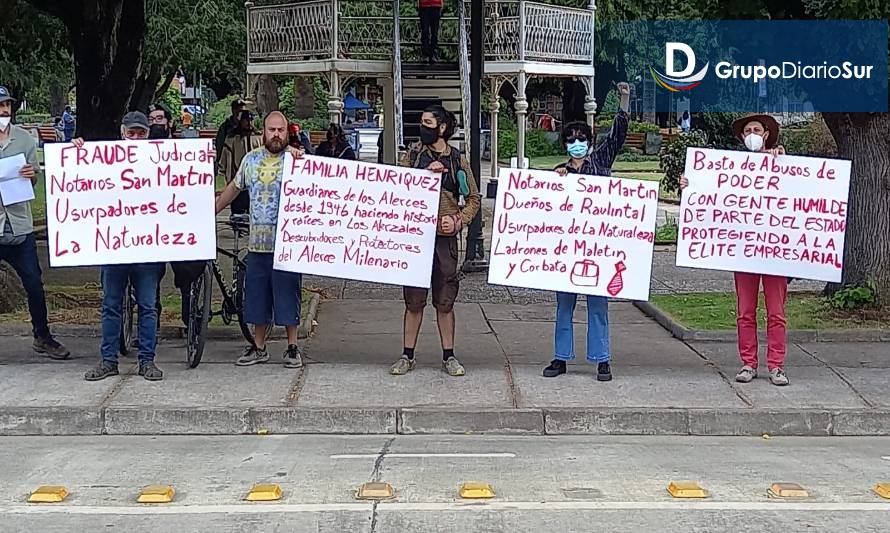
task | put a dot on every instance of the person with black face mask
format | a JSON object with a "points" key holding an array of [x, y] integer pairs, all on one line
{"points": [[336, 145], [160, 121], [435, 154], [161, 126]]}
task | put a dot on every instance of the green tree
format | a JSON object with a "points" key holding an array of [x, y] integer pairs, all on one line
{"points": [[860, 137], [106, 41], [34, 56]]}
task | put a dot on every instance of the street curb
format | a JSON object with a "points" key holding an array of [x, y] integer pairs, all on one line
{"points": [[134, 420], [683, 333], [168, 332]]}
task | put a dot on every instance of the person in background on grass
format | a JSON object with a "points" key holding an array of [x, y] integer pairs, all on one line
{"points": [[144, 277], [238, 105], [18, 246], [59, 129], [436, 155], [336, 145], [759, 133], [241, 141], [68, 123], [430, 12], [579, 140], [685, 122], [270, 295]]}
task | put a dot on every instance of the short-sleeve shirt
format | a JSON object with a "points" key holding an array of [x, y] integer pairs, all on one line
{"points": [[260, 175]]}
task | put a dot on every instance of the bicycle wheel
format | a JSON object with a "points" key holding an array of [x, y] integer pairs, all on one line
{"points": [[128, 310], [240, 273], [199, 315]]}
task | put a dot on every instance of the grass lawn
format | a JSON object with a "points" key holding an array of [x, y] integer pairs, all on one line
{"points": [[38, 206], [716, 311], [82, 306]]}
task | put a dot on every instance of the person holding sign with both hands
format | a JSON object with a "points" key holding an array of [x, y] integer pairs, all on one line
{"points": [[436, 155], [143, 276], [584, 159], [759, 133], [269, 294]]}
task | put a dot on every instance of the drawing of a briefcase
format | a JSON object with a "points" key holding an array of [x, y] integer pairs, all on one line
{"points": [[585, 273]]}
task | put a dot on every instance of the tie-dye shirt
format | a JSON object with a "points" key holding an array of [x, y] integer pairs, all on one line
{"points": [[260, 175]]}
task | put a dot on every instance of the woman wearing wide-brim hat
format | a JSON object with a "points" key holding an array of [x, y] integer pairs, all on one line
{"points": [[759, 133]]}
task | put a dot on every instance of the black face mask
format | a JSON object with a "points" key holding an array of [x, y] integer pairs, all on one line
{"points": [[158, 131], [428, 136]]}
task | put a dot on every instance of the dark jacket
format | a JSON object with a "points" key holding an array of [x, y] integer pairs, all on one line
{"points": [[339, 151]]}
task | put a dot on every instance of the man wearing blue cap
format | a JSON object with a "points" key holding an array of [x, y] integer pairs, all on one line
{"points": [[18, 247]]}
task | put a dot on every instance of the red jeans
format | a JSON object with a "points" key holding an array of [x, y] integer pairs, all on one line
{"points": [[747, 289]]}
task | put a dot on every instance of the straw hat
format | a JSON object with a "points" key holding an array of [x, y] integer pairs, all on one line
{"points": [[738, 126]]}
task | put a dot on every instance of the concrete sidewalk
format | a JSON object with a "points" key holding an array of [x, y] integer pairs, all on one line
{"points": [[661, 385]]}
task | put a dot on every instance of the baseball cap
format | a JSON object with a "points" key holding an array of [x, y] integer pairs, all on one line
{"points": [[135, 119], [4, 95]]}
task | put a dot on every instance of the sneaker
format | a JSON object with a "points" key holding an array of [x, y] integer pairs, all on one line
{"points": [[293, 357], [104, 370], [453, 367], [52, 348], [402, 366], [778, 378], [556, 368], [746, 374], [603, 372], [150, 371], [252, 355]]}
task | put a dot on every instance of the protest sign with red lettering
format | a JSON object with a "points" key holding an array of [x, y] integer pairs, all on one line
{"points": [[357, 220], [752, 212], [578, 234], [128, 202]]}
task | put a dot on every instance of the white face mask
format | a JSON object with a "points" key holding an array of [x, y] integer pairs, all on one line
{"points": [[754, 142], [4, 123]]}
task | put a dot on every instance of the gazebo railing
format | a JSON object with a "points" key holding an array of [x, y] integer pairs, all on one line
{"points": [[515, 30]]}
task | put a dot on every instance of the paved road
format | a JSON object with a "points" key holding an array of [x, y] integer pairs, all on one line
{"points": [[542, 483]]}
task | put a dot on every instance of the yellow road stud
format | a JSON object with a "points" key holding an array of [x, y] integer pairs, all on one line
{"points": [[48, 494], [474, 491], [156, 494], [883, 490], [788, 490], [267, 492], [374, 491], [686, 489]]}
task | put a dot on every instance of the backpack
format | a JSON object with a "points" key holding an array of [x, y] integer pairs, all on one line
{"points": [[422, 158]]}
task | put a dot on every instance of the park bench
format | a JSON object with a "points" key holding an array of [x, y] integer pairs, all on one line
{"points": [[636, 140], [317, 137], [46, 134]]}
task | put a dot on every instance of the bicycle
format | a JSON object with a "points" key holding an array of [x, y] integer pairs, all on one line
{"points": [[128, 311], [200, 311]]}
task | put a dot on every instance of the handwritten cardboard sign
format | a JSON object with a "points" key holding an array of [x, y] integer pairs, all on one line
{"points": [[752, 212], [356, 220], [578, 234], [130, 202]]}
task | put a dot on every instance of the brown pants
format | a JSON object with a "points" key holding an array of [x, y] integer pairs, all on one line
{"points": [[444, 281]]}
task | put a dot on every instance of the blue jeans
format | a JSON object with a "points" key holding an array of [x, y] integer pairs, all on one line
{"points": [[23, 259], [145, 278], [597, 328]]}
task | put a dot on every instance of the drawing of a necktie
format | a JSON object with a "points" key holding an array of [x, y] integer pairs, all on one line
{"points": [[616, 283]]}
